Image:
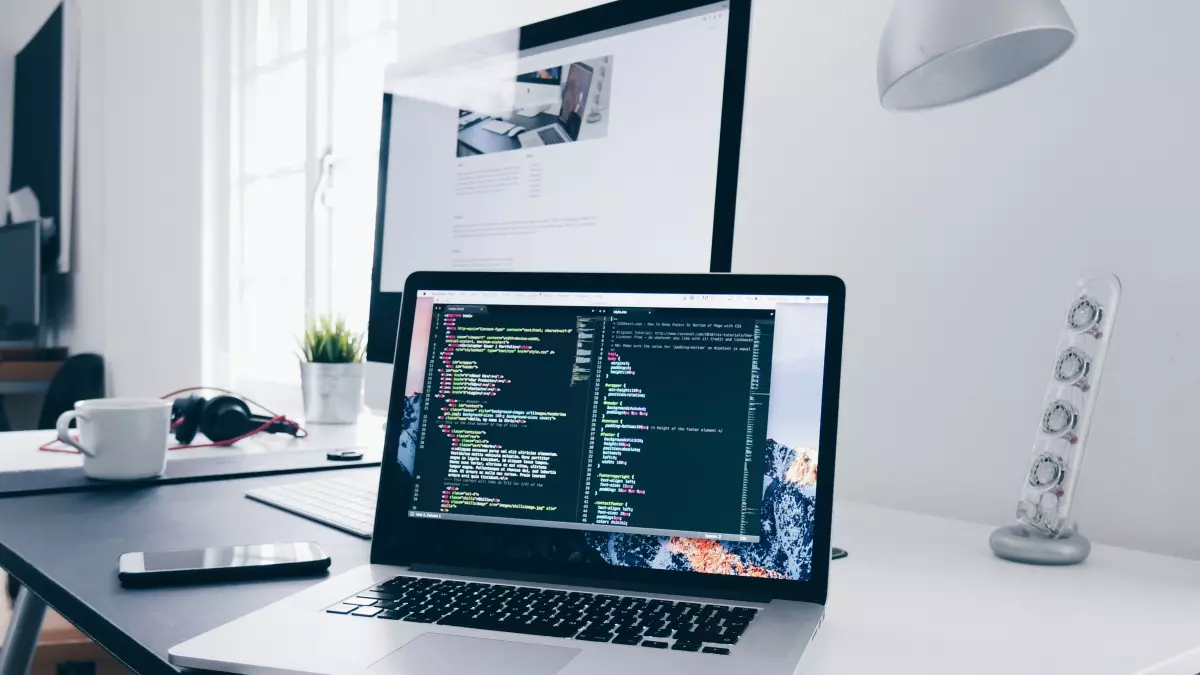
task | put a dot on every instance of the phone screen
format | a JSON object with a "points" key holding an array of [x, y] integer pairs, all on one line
{"points": [[232, 556]]}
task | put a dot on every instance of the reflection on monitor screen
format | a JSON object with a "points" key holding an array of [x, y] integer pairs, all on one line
{"points": [[551, 75], [604, 151]]}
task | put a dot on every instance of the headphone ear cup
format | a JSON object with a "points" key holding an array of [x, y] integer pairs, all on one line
{"points": [[225, 418], [188, 413]]}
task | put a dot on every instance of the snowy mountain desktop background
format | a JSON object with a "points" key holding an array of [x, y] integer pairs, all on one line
{"points": [[784, 550]]}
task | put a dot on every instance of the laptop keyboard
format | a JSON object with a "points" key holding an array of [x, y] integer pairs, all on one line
{"points": [[550, 136], [594, 617]]}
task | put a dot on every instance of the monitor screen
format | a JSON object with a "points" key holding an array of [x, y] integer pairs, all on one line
{"points": [[596, 153], [658, 431]]}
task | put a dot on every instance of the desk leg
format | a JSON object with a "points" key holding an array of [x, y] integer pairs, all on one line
{"points": [[16, 654]]}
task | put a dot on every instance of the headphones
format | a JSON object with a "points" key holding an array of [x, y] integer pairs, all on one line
{"points": [[223, 419]]}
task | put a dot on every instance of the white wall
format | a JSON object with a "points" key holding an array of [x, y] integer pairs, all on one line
{"points": [[146, 192], [959, 233], [136, 280]]}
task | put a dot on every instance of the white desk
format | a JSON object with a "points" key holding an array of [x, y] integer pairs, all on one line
{"points": [[19, 449], [925, 595]]}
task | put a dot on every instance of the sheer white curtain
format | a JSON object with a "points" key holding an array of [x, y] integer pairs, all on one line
{"points": [[307, 94]]}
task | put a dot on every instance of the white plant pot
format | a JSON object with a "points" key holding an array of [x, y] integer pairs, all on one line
{"points": [[333, 392]]}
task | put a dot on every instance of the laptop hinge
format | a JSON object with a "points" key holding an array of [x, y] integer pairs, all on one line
{"points": [[568, 580]]}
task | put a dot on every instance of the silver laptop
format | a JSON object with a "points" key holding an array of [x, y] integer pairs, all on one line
{"points": [[575, 92], [585, 474]]}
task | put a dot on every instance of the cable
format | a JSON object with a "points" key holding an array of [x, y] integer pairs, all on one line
{"points": [[248, 434]]}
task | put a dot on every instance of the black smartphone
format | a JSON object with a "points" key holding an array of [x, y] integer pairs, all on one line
{"points": [[227, 563]]}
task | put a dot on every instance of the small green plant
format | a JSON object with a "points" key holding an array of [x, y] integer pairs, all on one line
{"points": [[328, 340]]}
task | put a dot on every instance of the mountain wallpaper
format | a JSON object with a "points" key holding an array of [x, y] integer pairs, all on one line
{"points": [[409, 427], [783, 552]]}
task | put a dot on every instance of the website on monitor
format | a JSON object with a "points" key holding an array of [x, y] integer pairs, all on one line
{"points": [[599, 154]]}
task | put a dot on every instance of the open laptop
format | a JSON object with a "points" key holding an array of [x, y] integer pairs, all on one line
{"points": [[587, 474], [575, 93]]}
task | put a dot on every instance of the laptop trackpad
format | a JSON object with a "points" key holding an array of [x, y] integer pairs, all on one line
{"points": [[441, 654]]}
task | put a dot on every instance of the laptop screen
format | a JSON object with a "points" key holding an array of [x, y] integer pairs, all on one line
{"points": [[662, 431]]}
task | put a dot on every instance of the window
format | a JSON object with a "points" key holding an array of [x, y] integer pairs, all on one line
{"points": [[307, 95], [307, 91]]}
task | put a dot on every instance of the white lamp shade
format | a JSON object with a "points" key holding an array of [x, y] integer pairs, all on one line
{"points": [[936, 52]]}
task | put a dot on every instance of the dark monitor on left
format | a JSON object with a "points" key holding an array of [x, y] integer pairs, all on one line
{"points": [[20, 283]]}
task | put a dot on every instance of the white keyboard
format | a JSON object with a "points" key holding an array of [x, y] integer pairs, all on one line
{"points": [[345, 501], [498, 127]]}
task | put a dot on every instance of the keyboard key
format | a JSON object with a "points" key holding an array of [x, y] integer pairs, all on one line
{"points": [[686, 646], [653, 644], [361, 602], [716, 650], [342, 609], [463, 620], [377, 595], [709, 611], [389, 614], [594, 637], [659, 633], [421, 617], [622, 639], [366, 611]]}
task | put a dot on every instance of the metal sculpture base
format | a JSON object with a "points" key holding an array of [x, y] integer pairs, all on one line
{"points": [[1023, 544]]}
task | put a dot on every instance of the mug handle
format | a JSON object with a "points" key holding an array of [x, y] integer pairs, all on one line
{"points": [[64, 432]]}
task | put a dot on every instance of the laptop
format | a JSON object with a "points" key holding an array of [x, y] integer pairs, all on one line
{"points": [[585, 474], [570, 117]]}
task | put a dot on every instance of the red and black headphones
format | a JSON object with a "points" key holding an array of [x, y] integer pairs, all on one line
{"points": [[224, 420]]}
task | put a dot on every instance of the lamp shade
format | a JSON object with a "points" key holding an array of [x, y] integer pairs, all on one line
{"points": [[936, 52]]}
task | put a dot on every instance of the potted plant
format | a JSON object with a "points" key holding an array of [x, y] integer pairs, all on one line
{"points": [[331, 372]]}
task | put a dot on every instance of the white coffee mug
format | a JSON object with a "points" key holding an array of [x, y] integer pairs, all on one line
{"points": [[120, 438]]}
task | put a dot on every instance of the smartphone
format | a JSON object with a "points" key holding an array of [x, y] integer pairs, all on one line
{"points": [[228, 563]]}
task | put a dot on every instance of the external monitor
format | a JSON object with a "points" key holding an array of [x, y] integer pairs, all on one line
{"points": [[635, 187]]}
